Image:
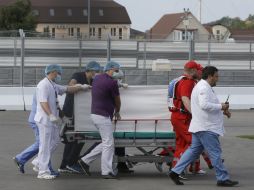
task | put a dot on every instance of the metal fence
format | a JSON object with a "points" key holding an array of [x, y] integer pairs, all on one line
{"points": [[23, 58]]}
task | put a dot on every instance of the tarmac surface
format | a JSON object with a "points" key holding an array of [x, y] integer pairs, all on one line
{"points": [[15, 135]]}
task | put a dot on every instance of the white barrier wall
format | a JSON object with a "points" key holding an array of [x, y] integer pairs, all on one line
{"points": [[11, 98]]}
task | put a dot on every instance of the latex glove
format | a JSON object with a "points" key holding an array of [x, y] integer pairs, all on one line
{"points": [[67, 120], [85, 87], [124, 85], [117, 116], [55, 120]]}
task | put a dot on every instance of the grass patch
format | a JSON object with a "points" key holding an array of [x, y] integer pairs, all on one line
{"points": [[247, 137]]}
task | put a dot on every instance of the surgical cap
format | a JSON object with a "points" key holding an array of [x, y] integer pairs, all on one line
{"points": [[53, 67], [111, 65], [93, 66]]}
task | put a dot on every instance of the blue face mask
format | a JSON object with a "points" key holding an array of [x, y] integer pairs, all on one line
{"points": [[58, 78]]}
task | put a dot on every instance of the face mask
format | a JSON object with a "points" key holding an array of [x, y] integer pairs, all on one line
{"points": [[58, 78], [115, 75]]}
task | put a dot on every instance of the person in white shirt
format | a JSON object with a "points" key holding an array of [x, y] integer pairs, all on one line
{"points": [[47, 115], [206, 126]]}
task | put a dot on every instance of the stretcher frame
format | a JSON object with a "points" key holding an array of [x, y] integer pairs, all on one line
{"points": [[146, 143]]}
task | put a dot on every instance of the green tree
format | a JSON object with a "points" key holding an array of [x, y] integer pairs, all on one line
{"points": [[18, 15]]}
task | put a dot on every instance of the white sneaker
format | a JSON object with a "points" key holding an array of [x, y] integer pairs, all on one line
{"points": [[36, 169], [46, 176], [201, 172]]}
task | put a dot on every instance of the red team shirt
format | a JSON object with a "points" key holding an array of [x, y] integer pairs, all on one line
{"points": [[184, 88]]}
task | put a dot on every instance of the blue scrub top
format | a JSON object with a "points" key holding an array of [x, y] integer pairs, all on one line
{"points": [[33, 110]]}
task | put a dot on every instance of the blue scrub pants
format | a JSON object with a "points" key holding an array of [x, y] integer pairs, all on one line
{"points": [[32, 150], [208, 141]]}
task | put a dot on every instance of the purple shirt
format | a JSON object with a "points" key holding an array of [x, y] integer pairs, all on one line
{"points": [[104, 91]]}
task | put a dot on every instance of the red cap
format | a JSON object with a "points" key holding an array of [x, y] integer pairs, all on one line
{"points": [[200, 68], [192, 65]]}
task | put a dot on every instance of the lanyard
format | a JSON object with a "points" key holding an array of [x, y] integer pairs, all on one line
{"points": [[57, 102]]}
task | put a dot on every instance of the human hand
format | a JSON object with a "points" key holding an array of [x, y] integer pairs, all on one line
{"points": [[55, 120], [227, 113], [85, 87], [67, 120], [117, 116], [224, 106], [124, 85]]}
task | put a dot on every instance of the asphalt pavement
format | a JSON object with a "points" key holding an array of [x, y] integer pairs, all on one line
{"points": [[15, 135]]}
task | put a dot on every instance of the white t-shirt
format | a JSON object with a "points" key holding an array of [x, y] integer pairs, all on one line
{"points": [[206, 110], [47, 91]]}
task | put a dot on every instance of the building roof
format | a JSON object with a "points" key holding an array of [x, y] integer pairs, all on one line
{"points": [[102, 11], [135, 32], [166, 25], [242, 34]]}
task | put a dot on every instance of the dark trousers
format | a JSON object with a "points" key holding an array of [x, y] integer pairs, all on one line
{"points": [[71, 153]]}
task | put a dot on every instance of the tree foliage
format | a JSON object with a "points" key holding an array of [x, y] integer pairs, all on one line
{"points": [[236, 23], [18, 16]]}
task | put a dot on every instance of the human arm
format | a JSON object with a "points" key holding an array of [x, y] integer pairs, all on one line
{"points": [[117, 100], [186, 103], [208, 101]]}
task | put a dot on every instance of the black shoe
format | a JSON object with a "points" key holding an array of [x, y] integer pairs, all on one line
{"points": [[20, 166], [227, 183], [84, 167], [109, 176], [125, 170], [175, 178]]}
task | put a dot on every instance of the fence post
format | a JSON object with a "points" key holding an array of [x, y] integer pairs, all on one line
{"points": [[109, 48], [191, 48], [209, 49], [22, 64], [144, 55], [137, 54], [250, 55], [80, 54], [15, 51], [22, 55]]}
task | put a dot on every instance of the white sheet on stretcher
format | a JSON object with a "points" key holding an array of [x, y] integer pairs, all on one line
{"points": [[143, 103]]}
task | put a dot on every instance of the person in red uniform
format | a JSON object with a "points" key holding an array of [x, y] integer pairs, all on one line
{"points": [[181, 117]]}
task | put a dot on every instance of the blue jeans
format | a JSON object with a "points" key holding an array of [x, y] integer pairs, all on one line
{"points": [[208, 141], [32, 150]]}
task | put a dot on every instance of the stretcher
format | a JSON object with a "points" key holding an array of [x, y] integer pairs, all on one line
{"points": [[145, 124]]}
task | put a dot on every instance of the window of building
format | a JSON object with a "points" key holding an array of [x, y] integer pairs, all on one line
{"points": [[85, 13], [69, 12], [113, 31], [120, 33], [99, 33], [71, 31], [53, 33], [178, 35], [52, 12], [187, 36], [92, 31], [78, 32], [101, 13], [46, 29], [35, 12]]}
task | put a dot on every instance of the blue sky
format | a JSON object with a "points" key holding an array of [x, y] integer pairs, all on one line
{"points": [[145, 13]]}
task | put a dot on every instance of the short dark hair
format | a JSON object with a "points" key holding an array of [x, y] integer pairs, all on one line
{"points": [[208, 71]]}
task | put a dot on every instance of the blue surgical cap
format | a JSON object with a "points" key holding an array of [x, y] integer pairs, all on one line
{"points": [[93, 66], [53, 67], [111, 65]]}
